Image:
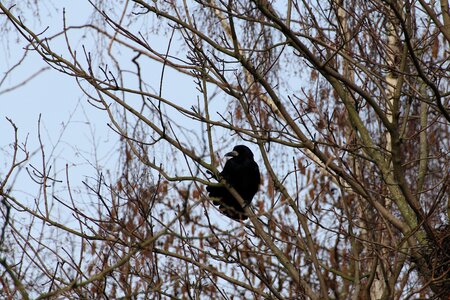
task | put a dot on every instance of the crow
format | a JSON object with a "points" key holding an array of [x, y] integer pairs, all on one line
{"points": [[242, 173]]}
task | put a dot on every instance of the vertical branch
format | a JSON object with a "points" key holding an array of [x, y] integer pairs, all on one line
{"points": [[208, 118], [446, 16], [347, 71], [423, 148]]}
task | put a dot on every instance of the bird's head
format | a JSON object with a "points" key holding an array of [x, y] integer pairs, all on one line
{"points": [[241, 152]]}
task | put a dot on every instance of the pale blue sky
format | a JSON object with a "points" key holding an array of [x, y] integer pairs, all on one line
{"points": [[67, 128], [71, 129]]}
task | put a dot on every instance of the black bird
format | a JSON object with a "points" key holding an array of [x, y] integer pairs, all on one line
{"points": [[242, 173]]}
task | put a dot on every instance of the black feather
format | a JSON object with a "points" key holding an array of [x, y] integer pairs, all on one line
{"points": [[242, 173]]}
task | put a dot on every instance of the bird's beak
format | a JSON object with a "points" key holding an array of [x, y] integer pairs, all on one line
{"points": [[232, 154]]}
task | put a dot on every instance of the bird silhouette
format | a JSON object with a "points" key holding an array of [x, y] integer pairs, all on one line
{"points": [[242, 173]]}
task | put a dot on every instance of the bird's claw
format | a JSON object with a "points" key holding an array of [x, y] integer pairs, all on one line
{"points": [[213, 176]]}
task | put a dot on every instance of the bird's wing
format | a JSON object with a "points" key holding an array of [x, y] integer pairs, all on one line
{"points": [[243, 176]]}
